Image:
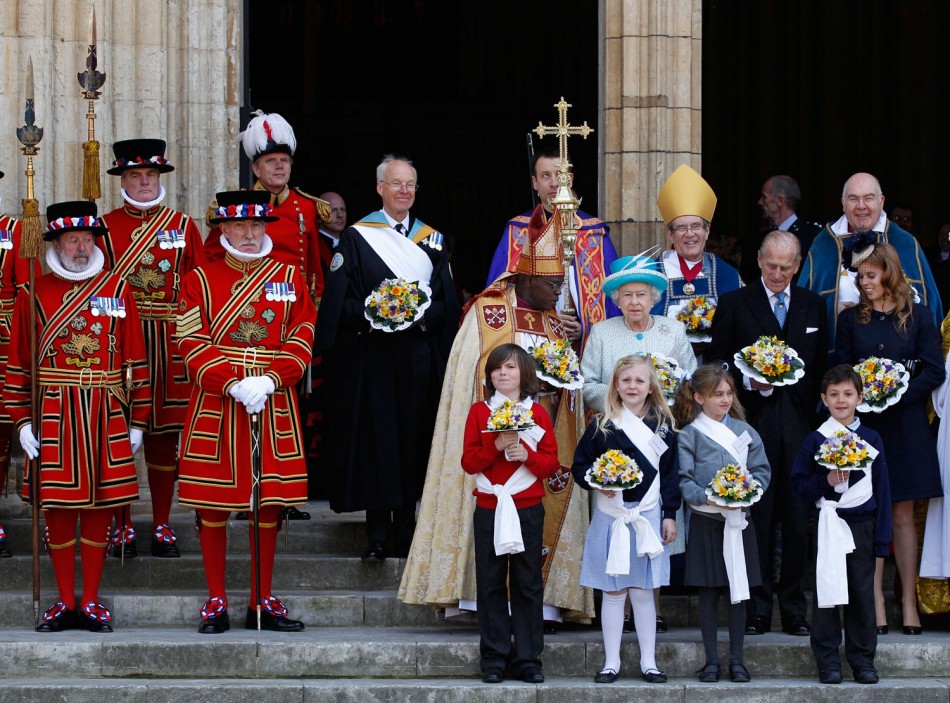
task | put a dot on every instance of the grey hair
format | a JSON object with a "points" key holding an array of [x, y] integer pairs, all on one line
{"points": [[780, 238], [787, 187], [655, 293], [388, 159]]}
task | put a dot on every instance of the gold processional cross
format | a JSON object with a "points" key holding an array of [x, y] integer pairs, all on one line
{"points": [[564, 202]]}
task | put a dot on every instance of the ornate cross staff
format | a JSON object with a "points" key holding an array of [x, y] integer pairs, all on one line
{"points": [[31, 247], [564, 202], [91, 81]]}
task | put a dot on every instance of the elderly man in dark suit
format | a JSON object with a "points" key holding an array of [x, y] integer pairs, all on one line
{"points": [[782, 415]]}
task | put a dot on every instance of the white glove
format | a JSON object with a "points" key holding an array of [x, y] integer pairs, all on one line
{"points": [[256, 408], [256, 389], [135, 437], [237, 392], [31, 445]]}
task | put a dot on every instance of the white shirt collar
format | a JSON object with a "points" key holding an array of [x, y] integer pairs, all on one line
{"points": [[96, 262], [841, 227], [772, 300], [266, 245], [393, 223], [143, 206]]}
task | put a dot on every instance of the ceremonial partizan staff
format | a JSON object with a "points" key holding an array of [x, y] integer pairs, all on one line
{"points": [[89, 338], [30, 247]]}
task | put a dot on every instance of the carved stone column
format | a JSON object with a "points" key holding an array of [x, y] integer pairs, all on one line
{"points": [[173, 72], [651, 68]]}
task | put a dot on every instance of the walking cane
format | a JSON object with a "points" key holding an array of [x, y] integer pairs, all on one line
{"points": [[256, 505]]}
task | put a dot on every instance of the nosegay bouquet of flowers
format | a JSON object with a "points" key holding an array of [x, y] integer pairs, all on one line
{"points": [[557, 364], [614, 471], [733, 486], [884, 383], [396, 304], [844, 450], [510, 417], [770, 360], [669, 373], [697, 315]]}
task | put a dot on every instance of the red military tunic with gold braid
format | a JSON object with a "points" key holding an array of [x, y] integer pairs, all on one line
{"points": [[92, 375], [228, 329], [14, 274], [295, 236], [153, 250]]}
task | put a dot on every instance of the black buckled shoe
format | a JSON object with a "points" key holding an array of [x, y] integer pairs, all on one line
{"points": [[164, 542], [293, 513], [866, 676], [738, 673], [122, 544], [5, 552], [215, 618], [532, 675], [797, 627], [58, 618], [709, 673], [832, 676], [273, 617], [757, 625], [376, 552], [493, 676], [606, 676], [95, 617], [653, 676]]}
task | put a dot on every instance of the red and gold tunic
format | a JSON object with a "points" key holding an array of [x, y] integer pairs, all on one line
{"points": [[295, 236], [92, 376], [14, 274], [153, 250], [237, 320]]}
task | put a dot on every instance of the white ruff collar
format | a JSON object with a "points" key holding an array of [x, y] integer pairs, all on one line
{"points": [[96, 262], [266, 246], [143, 206]]}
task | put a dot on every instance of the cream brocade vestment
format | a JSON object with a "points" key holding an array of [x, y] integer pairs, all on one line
{"points": [[440, 570]]}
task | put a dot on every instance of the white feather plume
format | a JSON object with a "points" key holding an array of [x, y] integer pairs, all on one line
{"points": [[255, 137]]}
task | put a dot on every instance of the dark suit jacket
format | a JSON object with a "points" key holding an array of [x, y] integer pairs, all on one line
{"points": [[742, 316]]}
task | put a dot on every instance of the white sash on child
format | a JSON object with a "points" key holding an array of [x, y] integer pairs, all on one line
{"points": [[835, 540], [732, 552], [648, 542], [508, 539]]}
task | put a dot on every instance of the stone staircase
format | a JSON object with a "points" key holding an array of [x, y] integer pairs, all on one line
{"points": [[361, 643]]}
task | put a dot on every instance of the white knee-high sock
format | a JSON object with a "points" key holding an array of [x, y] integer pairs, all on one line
{"points": [[644, 618], [611, 623]]}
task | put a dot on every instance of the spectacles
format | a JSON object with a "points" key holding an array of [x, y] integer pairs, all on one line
{"points": [[695, 228], [556, 287], [399, 185]]}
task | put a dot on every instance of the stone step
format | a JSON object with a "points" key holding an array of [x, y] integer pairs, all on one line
{"points": [[319, 535], [315, 608], [323, 608], [187, 573], [554, 690], [406, 653]]}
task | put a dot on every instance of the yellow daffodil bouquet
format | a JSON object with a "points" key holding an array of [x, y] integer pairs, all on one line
{"points": [[510, 417], [669, 373], [396, 304], [697, 314], [884, 383], [614, 471], [734, 486], [770, 360], [844, 450], [557, 363]]}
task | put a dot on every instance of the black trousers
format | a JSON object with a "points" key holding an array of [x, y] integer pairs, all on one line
{"points": [[395, 526], [493, 574], [860, 634], [780, 505]]}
